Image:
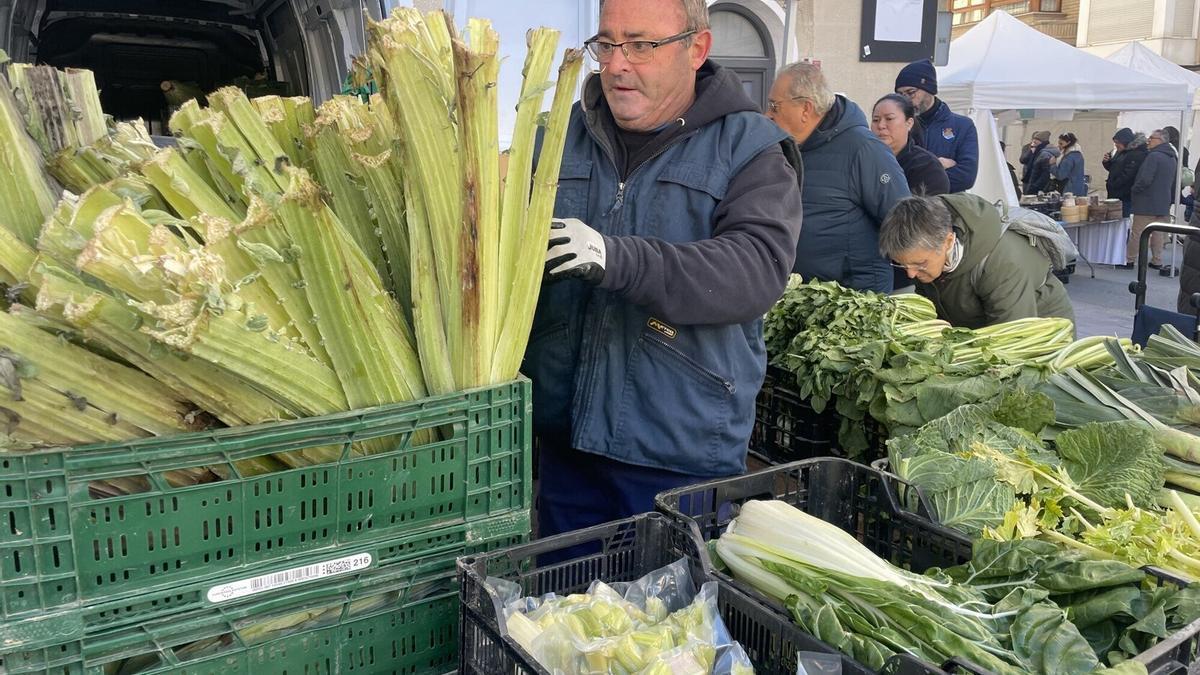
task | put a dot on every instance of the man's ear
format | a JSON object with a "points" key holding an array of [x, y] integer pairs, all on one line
{"points": [[701, 46]]}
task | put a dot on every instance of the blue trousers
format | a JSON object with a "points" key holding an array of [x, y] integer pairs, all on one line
{"points": [[580, 489]]}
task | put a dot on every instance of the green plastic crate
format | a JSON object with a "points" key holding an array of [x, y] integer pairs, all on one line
{"points": [[418, 556], [61, 549], [380, 623]]}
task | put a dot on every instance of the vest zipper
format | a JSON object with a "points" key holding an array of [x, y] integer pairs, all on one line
{"points": [[619, 201], [587, 355]]}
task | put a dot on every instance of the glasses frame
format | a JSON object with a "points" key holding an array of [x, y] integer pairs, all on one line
{"points": [[919, 269], [773, 106], [593, 44]]}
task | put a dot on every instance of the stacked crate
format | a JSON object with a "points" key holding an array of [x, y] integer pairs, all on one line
{"points": [[349, 563]]}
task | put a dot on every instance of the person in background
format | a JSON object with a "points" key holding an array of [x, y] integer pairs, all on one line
{"points": [[950, 136], [1068, 168], [1153, 195], [851, 180], [892, 121], [1029, 153], [1041, 169], [1187, 191], [974, 271], [1189, 270], [1012, 170], [1173, 138], [675, 228], [1123, 165]]}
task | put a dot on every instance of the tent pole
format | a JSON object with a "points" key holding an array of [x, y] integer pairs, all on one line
{"points": [[1183, 141]]}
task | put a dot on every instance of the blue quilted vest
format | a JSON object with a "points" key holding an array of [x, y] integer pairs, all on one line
{"points": [[609, 377]]}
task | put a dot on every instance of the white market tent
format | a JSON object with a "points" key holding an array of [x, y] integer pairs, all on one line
{"points": [[1003, 64], [1137, 56]]}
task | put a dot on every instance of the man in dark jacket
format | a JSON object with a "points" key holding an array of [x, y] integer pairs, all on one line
{"points": [[676, 224], [851, 181], [1153, 195], [1029, 154], [1039, 172], [950, 136], [1123, 166]]}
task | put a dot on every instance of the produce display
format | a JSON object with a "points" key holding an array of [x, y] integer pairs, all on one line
{"points": [[282, 261], [1017, 607], [653, 626], [890, 358], [1102, 461]]}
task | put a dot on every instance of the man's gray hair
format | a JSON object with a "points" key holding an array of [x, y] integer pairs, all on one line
{"points": [[807, 81], [915, 222], [695, 13]]}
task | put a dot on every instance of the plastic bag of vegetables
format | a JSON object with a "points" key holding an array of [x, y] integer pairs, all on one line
{"points": [[657, 625]]}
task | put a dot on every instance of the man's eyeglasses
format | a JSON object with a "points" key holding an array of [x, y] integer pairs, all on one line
{"points": [[773, 106], [635, 51]]}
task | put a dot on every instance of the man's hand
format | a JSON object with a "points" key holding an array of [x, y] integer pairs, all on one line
{"points": [[1107, 156], [947, 163], [576, 251]]}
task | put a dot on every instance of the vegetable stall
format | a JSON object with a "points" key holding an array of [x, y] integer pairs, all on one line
{"points": [[261, 411]]}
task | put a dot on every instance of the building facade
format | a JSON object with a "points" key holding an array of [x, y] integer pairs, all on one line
{"points": [[1056, 18], [1169, 28]]}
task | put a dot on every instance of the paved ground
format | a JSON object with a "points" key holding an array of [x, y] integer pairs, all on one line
{"points": [[1104, 305]]}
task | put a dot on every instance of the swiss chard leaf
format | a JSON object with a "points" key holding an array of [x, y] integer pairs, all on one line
{"points": [[1043, 637]]}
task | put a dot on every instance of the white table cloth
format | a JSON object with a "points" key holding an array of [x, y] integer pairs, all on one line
{"points": [[1101, 243]]}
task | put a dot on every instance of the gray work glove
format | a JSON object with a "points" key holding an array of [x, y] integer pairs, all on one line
{"points": [[576, 251]]}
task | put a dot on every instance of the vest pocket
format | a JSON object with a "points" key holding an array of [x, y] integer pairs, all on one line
{"points": [[685, 196], [675, 413], [574, 186]]}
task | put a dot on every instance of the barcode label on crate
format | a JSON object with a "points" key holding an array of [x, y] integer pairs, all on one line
{"points": [[297, 575]]}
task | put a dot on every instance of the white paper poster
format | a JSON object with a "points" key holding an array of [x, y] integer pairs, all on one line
{"points": [[898, 20]]}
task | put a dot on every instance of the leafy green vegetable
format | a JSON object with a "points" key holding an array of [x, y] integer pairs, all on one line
{"points": [[1112, 462], [1016, 607], [887, 357]]}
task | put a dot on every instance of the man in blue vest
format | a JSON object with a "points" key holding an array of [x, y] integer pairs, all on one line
{"points": [[950, 136], [676, 225]]}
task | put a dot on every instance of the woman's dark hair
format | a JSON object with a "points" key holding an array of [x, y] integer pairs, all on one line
{"points": [[1172, 135], [1069, 138], [910, 113]]}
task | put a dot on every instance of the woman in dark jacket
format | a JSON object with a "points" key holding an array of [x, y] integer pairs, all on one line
{"points": [[1068, 167], [892, 121]]}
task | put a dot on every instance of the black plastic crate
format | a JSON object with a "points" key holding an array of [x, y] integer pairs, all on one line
{"points": [[787, 429], [625, 550], [871, 505]]}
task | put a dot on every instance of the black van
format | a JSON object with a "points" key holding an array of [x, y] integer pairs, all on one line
{"points": [[293, 47]]}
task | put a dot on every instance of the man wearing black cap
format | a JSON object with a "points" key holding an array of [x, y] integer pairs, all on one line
{"points": [[1123, 166], [950, 136], [1029, 157]]}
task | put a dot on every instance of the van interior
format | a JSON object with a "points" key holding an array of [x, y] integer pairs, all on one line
{"points": [[142, 50]]}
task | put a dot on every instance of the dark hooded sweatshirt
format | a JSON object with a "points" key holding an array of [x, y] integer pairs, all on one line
{"points": [[739, 273], [660, 364]]}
